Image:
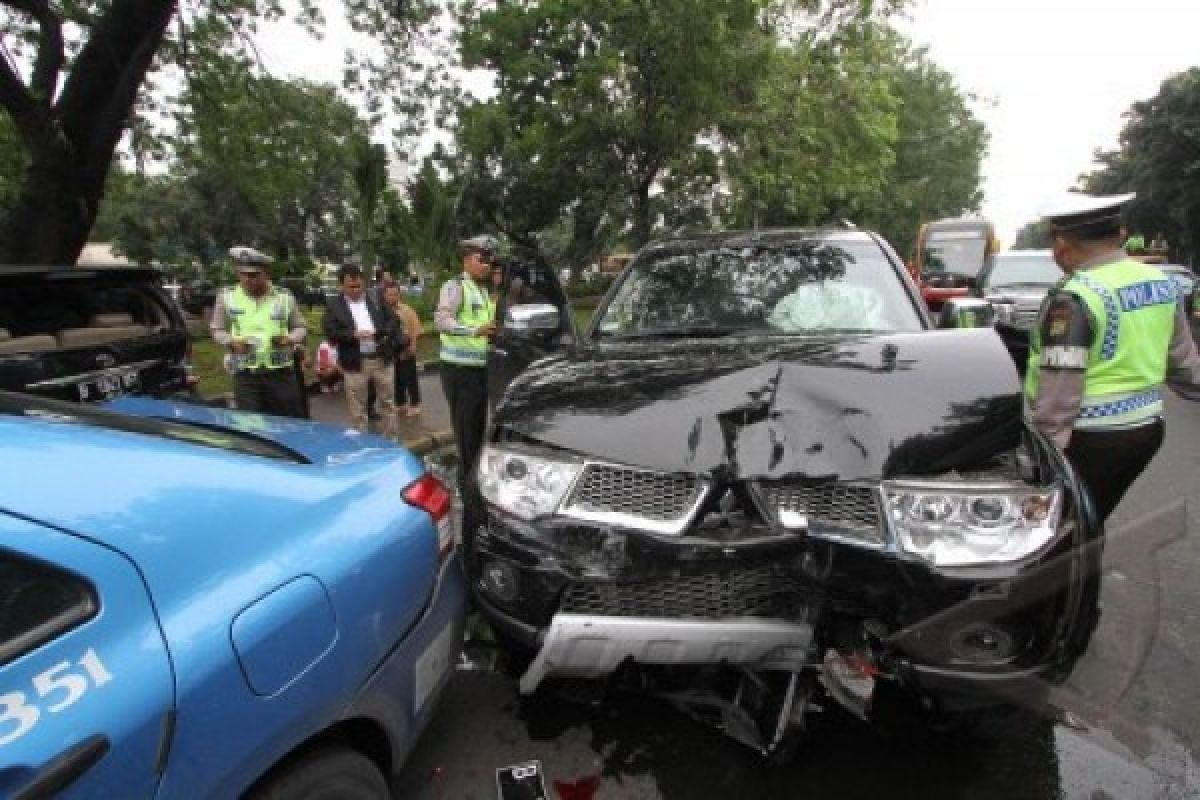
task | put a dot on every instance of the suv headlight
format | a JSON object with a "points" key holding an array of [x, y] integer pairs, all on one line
{"points": [[960, 525], [525, 482]]}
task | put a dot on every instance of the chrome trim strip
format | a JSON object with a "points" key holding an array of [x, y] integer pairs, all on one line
{"points": [[590, 646], [71, 380]]}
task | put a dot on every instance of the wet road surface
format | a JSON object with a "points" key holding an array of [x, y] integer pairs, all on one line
{"points": [[1134, 731]]}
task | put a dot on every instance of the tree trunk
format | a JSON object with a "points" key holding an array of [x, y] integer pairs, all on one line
{"points": [[642, 224], [72, 143]]}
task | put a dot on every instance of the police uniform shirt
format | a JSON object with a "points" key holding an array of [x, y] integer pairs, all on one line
{"points": [[219, 321], [1067, 331]]}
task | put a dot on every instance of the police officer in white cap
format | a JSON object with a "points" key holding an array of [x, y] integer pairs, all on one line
{"points": [[465, 318], [1109, 337], [261, 326]]}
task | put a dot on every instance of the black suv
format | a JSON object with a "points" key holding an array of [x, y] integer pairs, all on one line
{"points": [[762, 473], [90, 333]]}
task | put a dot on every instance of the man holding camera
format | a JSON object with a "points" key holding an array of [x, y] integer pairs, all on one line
{"points": [[368, 338]]}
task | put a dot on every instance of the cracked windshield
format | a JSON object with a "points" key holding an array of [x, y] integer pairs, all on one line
{"points": [[591, 400]]}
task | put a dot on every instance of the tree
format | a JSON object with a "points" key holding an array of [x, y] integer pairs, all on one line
{"points": [[86, 62], [276, 159], [370, 179], [938, 152], [596, 102], [817, 145], [1159, 158], [1033, 236]]}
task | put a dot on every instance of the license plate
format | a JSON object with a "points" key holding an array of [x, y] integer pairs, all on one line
{"points": [[521, 782], [432, 664], [108, 385]]}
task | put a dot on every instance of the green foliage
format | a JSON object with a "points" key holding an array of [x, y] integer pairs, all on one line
{"points": [[81, 74], [1159, 158], [819, 142], [1033, 236], [596, 103]]}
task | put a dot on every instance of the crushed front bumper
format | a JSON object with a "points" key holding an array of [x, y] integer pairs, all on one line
{"points": [[592, 646]]}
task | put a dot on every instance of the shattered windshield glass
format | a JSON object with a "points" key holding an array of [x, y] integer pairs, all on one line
{"points": [[795, 288]]}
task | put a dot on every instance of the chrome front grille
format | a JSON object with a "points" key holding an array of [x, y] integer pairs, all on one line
{"points": [[755, 592], [659, 501], [837, 506]]}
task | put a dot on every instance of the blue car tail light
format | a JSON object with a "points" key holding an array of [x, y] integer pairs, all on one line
{"points": [[430, 495]]}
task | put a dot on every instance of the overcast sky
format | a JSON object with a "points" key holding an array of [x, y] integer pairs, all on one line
{"points": [[1056, 74]]}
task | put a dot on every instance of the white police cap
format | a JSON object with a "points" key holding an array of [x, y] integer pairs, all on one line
{"points": [[480, 244], [249, 258], [1076, 210]]}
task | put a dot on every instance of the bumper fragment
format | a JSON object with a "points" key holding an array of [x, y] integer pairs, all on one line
{"points": [[588, 646]]}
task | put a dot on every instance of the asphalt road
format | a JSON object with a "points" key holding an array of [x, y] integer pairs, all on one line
{"points": [[1134, 732]]}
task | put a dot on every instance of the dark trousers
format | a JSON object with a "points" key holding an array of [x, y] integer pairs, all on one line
{"points": [[1110, 461], [408, 387], [466, 394], [269, 391]]}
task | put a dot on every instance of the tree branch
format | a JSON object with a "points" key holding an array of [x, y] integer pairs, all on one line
{"points": [[15, 96], [51, 50]]}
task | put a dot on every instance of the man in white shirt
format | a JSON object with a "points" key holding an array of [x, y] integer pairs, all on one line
{"points": [[367, 337]]}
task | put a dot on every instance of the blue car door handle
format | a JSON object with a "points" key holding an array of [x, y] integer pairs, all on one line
{"points": [[64, 769]]}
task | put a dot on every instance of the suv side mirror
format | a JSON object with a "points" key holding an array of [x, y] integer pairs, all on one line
{"points": [[531, 317], [967, 312]]}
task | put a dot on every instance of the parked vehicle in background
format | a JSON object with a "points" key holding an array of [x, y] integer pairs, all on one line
{"points": [[1185, 281], [204, 603], [763, 484], [1015, 283], [950, 255], [90, 333]]}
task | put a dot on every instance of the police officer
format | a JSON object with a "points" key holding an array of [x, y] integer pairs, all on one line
{"points": [[465, 318], [261, 326], [1109, 336]]}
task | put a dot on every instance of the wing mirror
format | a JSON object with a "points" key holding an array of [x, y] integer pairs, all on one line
{"points": [[967, 312], [531, 317]]}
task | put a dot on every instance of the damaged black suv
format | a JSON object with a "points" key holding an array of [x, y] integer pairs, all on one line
{"points": [[763, 474]]}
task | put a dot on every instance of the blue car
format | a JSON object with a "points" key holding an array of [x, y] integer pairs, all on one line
{"points": [[200, 603]]}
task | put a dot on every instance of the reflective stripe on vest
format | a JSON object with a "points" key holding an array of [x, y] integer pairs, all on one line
{"points": [[475, 311], [258, 323], [1133, 306]]}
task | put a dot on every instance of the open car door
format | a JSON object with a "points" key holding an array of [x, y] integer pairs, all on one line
{"points": [[533, 318]]}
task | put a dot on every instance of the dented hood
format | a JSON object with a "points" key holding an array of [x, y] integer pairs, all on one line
{"points": [[844, 408]]}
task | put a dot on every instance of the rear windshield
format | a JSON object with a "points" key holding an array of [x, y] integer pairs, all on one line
{"points": [[217, 438], [777, 288], [49, 307], [1016, 270], [955, 252]]}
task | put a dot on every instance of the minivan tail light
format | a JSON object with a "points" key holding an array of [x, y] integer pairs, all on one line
{"points": [[431, 496]]}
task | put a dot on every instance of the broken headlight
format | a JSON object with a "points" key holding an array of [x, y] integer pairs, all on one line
{"points": [[962, 525], [524, 482]]}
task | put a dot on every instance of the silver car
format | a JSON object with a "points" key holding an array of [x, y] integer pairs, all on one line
{"points": [[1016, 282]]}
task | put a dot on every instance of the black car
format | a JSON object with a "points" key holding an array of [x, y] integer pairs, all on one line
{"points": [[764, 479], [90, 333]]}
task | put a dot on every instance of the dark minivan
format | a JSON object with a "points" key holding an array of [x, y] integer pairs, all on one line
{"points": [[90, 333], [763, 482]]}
